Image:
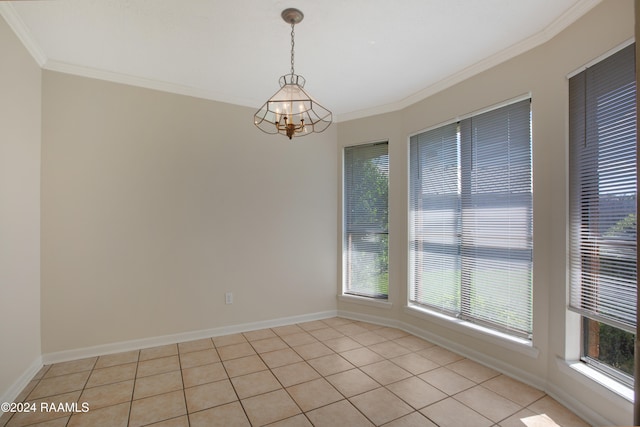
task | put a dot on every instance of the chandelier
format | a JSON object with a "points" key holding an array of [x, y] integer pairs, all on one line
{"points": [[291, 111]]}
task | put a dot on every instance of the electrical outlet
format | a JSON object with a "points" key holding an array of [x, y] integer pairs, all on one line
{"points": [[228, 298]]}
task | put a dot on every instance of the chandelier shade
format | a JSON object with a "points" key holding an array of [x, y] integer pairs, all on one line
{"points": [[291, 111]]}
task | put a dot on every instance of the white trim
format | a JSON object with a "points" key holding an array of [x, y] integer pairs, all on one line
{"points": [[509, 342], [557, 393], [371, 302], [344, 297], [498, 365], [94, 73], [22, 32], [370, 142], [118, 347], [370, 318], [510, 101], [465, 116], [601, 57], [504, 340], [588, 376], [585, 412], [553, 29], [590, 379], [16, 388]]}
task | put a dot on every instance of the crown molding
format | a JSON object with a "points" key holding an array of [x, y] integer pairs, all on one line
{"points": [[562, 22], [110, 76], [553, 29], [162, 86], [22, 32]]}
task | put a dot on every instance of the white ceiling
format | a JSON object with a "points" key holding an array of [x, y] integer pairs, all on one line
{"points": [[359, 57]]}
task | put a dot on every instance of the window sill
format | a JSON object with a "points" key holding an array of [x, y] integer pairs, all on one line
{"points": [[503, 340], [371, 302], [588, 375]]}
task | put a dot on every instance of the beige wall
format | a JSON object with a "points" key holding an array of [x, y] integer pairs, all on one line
{"points": [[155, 204], [20, 78], [543, 73]]}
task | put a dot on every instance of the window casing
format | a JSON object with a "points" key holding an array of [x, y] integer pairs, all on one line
{"points": [[366, 221], [471, 232], [603, 192]]}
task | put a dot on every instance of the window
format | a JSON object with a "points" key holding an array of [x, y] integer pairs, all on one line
{"points": [[471, 234], [602, 145], [366, 220]]}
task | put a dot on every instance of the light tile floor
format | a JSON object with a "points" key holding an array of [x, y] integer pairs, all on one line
{"points": [[333, 372]]}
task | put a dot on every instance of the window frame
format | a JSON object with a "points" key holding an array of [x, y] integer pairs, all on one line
{"points": [[470, 324], [578, 132], [381, 300]]}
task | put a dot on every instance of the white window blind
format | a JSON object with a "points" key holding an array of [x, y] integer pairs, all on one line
{"points": [[435, 218], [603, 190], [366, 218], [471, 219]]}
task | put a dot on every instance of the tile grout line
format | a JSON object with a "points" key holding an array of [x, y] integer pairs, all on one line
{"points": [[323, 377], [133, 389], [306, 361], [84, 387], [184, 389], [278, 379], [230, 382], [319, 338]]}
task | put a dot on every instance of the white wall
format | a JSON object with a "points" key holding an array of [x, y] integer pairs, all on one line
{"points": [[543, 73], [20, 79], [155, 204]]}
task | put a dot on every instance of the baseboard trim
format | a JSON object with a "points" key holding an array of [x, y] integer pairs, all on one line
{"points": [[12, 392], [577, 407], [516, 373], [555, 392], [118, 347], [476, 356]]}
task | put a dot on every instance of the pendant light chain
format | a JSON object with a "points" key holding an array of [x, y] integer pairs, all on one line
{"points": [[293, 44], [291, 111]]}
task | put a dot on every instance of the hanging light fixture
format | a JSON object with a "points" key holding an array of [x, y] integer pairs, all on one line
{"points": [[291, 111]]}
